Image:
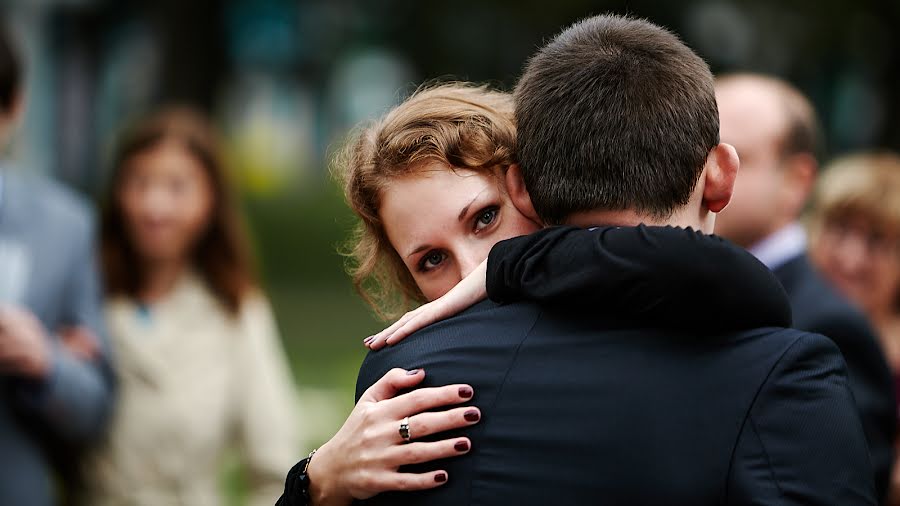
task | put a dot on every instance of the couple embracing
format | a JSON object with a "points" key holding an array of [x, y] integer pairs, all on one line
{"points": [[623, 355]]}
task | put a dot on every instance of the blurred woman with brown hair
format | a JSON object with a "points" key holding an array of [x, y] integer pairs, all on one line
{"points": [[198, 352], [855, 241]]}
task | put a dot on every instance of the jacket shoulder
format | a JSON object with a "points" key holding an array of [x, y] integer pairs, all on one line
{"points": [[62, 203], [60, 211]]}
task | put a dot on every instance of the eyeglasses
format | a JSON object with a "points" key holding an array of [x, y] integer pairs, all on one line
{"points": [[874, 241]]}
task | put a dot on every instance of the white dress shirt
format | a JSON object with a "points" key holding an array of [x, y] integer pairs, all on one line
{"points": [[781, 247]]}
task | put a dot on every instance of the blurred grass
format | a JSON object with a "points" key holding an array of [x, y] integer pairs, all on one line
{"points": [[321, 319]]}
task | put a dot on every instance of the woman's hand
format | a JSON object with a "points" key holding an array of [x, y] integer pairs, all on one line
{"points": [[467, 292], [363, 458]]}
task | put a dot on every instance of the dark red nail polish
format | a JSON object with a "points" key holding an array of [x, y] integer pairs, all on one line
{"points": [[472, 415], [412, 372], [465, 392], [461, 446], [440, 477]]}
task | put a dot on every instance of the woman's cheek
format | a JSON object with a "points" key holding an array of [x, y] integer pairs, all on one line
{"points": [[885, 277]]}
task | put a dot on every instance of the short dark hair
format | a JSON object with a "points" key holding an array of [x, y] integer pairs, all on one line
{"points": [[10, 72], [614, 113]]}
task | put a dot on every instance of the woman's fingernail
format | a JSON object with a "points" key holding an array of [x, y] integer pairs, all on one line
{"points": [[412, 372], [461, 446], [465, 392], [440, 477], [472, 415]]}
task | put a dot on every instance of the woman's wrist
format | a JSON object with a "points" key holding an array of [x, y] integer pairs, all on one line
{"points": [[324, 481]]}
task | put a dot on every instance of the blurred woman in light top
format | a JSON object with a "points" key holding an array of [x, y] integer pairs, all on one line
{"points": [[199, 357]]}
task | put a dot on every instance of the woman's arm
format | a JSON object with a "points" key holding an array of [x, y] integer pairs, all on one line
{"points": [[467, 292], [364, 456], [664, 273], [266, 404], [658, 273]]}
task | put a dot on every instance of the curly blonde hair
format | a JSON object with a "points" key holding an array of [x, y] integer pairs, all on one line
{"points": [[460, 125]]}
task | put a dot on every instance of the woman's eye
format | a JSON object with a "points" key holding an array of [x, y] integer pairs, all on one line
{"points": [[485, 218], [431, 260]]}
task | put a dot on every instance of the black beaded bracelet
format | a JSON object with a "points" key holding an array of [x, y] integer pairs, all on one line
{"points": [[304, 479], [296, 490]]}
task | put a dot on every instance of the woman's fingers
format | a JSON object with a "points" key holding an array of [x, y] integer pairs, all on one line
{"points": [[392, 382], [406, 482], [426, 424], [374, 338], [424, 399], [377, 341], [417, 453], [418, 322], [470, 290], [417, 319]]}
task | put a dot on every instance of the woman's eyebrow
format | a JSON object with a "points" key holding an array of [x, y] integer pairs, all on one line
{"points": [[419, 250], [462, 214]]}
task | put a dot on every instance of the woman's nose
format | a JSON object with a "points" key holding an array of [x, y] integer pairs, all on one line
{"points": [[469, 263], [851, 253], [156, 202]]}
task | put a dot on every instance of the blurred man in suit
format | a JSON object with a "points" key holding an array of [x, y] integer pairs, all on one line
{"points": [[54, 398], [774, 129]]}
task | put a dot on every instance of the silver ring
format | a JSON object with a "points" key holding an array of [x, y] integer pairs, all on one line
{"points": [[404, 430]]}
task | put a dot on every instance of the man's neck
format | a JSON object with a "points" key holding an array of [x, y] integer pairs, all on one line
{"points": [[631, 218]]}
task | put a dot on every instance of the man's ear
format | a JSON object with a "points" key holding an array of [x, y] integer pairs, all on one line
{"points": [[799, 176], [721, 170], [518, 194]]}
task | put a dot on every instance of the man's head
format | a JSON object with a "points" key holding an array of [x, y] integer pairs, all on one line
{"points": [[10, 85], [617, 123], [774, 129]]}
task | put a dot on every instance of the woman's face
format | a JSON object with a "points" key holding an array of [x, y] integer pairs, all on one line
{"points": [[443, 223], [862, 261], [167, 199]]}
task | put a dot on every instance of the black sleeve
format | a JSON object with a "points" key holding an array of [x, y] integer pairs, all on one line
{"points": [[293, 487], [870, 382], [671, 276], [802, 442]]}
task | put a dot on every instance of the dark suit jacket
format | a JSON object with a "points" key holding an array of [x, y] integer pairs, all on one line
{"points": [[607, 407], [817, 307]]}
